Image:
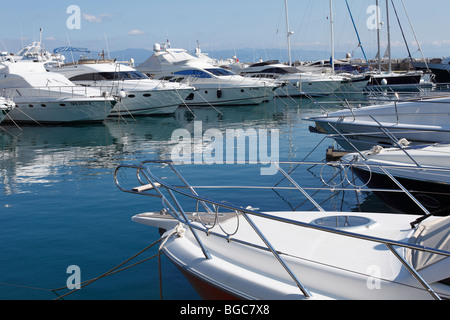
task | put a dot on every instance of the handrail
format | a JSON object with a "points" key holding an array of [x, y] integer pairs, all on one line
{"points": [[157, 184], [353, 115]]}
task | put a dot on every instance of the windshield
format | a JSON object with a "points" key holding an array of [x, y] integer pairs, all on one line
{"points": [[111, 76], [282, 70], [220, 72], [125, 75], [194, 73]]}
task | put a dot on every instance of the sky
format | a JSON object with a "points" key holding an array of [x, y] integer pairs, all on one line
{"points": [[219, 25]]}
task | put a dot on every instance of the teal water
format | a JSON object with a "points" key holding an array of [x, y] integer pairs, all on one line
{"points": [[59, 205]]}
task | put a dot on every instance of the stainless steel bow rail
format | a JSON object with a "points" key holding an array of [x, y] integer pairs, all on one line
{"points": [[151, 185]]}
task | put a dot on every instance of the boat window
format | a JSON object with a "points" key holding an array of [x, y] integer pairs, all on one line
{"points": [[88, 77], [278, 70], [177, 80], [123, 75], [110, 76], [195, 73], [268, 76], [220, 72]]}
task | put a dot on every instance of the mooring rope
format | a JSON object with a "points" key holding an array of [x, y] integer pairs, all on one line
{"points": [[112, 271]]}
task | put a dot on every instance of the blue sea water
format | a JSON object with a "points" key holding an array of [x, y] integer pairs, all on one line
{"points": [[59, 205]]}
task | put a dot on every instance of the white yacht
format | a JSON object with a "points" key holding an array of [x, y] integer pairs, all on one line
{"points": [[47, 97], [35, 52], [139, 94], [423, 170], [419, 121], [214, 85], [229, 251], [440, 67], [301, 83], [399, 81]]}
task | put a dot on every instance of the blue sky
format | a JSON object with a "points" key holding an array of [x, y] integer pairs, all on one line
{"points": [[219, 25]]}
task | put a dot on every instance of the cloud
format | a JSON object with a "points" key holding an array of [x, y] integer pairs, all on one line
{"points": [[96, 19], [136, 32], [440, 43], [50, 39]]}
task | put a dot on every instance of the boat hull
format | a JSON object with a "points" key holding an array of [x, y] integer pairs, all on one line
{"points": [[329, 265], [155, 102], [420, 122], [61, 111], [441, 71], [434, 196], [233, 96], [423, 171], [206, 289], [364, 136], [396, 82]]}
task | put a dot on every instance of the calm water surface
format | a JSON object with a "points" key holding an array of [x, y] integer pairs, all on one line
{"points": [[59, 205]]}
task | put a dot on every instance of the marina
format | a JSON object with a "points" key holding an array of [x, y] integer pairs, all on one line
{"points": [[184, 176]]}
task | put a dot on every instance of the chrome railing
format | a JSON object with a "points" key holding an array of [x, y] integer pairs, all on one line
{"points": [[151, 185]]}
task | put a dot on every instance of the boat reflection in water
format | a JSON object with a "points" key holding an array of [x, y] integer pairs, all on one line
{"points": [[38, 154]]}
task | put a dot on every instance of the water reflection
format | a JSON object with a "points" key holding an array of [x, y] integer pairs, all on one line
{"points": [[46, 155], [42, 156]]}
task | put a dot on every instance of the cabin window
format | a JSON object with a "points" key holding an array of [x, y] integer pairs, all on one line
{"points": [[220, 72], [110, 76], [194, 73], [123, 75], [88, 77]]}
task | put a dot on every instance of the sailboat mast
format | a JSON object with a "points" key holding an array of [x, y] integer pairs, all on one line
{"points": [[289, 33], [378, 35], [389, 36], [332, 35]]}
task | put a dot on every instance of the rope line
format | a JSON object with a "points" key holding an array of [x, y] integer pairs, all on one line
{"points": [[112, 271]]}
